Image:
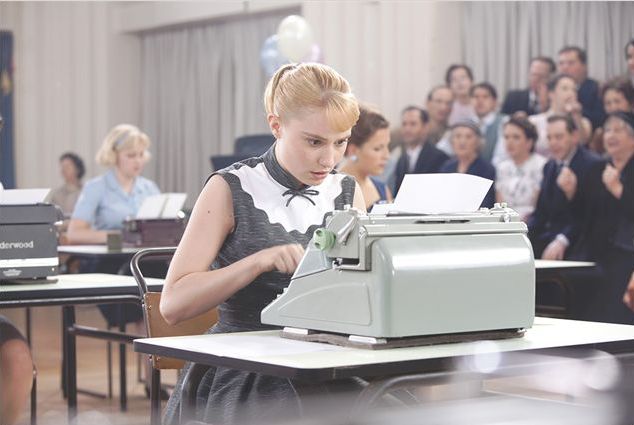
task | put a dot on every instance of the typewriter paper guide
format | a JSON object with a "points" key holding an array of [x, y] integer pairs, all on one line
{"points": [[438, 194], [164, 205], [23, 196]]}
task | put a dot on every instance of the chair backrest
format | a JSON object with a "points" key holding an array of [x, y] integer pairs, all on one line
{"points": [[155, 323], [218, 162], [253, 145]]}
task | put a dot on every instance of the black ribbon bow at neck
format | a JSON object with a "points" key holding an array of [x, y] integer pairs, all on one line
{"points": [[303, 193]]}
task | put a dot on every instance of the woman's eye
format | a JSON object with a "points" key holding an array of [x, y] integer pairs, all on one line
{"points": [[314, 142], [342, 142]]}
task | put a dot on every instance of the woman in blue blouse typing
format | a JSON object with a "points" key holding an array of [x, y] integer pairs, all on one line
{"points": [[107, 200], [367, 154], [467, 142]]}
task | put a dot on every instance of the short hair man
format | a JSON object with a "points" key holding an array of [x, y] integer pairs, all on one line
{"points": [[533, 99], [419, 155], [557, 218], [572, 61]]}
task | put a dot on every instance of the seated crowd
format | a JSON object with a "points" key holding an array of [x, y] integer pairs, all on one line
{"points": [[560, 152]]}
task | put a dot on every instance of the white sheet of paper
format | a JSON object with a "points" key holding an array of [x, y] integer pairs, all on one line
{"points": [[260, 346], [152, 206], [441, 193], [173, 205], [381, 209], [23, 196]]}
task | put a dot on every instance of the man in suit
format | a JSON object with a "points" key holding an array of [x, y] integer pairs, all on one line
{"points": [[419, 155], [573, 61], [534, 99], [558, 216], [484, 99]]}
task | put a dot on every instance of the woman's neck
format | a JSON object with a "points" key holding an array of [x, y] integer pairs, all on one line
{"points": [[621, 160], [463, 99], [72, 184], [126, 182], [465, 162], [521, 158], [353, 170], [557, 110]]}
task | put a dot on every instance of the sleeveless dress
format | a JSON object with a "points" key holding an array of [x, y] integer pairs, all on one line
{"points": [[270, 208]]}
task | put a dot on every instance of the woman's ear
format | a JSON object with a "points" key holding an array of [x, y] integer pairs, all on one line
{"points": [[352, 150], [275, 124]]}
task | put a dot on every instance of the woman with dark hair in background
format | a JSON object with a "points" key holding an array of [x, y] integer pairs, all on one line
{"points": [[564, 100], [367, 154], [520, 176], [617, 95], [459, 78], [72, 169]]}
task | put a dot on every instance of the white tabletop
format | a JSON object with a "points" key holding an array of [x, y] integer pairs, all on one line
{"points": [[267, 347], [79, 281], [95, 250], [73, 286], [562, 264]]}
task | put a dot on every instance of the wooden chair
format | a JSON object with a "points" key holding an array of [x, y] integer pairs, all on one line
{"points": [[158, 327]]}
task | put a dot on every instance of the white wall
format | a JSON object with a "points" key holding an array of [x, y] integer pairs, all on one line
{"points": [[78, 63], [391, 52], [75, 78]]}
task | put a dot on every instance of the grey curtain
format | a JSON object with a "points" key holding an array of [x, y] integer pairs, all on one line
{"points": [[499, 38], [201, 88]]}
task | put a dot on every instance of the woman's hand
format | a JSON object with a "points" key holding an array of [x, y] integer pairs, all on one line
{"points": [[612, 181], [628, 297], [283, 258]]}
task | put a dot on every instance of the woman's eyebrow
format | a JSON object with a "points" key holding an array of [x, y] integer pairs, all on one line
{"points": [[314, 136]]}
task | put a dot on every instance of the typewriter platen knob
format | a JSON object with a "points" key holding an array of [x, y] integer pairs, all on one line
{"points": [[324, 239]]}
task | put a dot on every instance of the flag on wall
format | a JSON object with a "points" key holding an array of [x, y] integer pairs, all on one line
{"points": [[7, 164]]}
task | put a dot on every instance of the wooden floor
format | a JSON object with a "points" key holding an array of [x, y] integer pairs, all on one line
{"points": [[91, 372]]}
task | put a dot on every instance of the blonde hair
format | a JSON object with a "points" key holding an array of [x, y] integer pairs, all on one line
{"points": [[119, 138], [297, 88]]}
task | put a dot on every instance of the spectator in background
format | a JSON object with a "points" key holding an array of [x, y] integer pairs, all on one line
{"points": [[533, 99], [484, 99], [72, 169], [562, 95], [609, 213], [467, 142], [573, 61], [419, 155], [484, 102], [439, 101], [367, 154], [617, 95], [520, 176], [459, 78], [557, 218], [629, 57]]}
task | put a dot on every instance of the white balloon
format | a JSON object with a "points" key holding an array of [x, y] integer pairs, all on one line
{"points": [[295, 37]]}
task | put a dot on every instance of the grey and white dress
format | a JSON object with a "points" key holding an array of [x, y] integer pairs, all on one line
{"points": [[270, 208]]}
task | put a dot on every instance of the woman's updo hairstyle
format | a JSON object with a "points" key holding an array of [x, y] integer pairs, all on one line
{"points": [[370, 121], [308, 87]]}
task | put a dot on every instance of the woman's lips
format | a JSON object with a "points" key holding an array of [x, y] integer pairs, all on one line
{"points": [[319, 174]]}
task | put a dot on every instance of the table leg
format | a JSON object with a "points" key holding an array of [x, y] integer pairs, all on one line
{"points": [[123, 395], [70, 361]]}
